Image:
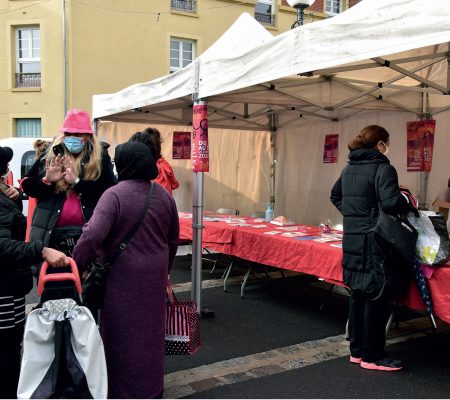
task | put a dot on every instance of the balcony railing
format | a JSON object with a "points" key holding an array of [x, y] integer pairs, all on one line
{"points": [[28, 80], [189, 6], [265, 18]]}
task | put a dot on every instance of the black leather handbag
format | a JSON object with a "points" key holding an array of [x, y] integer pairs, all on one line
{"points": [[94, 284], [393, 231]]}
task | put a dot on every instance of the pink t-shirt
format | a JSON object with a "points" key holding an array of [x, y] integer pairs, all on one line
{"points": [[71, 213]]}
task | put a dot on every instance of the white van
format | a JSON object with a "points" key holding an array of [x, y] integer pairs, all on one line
{"points": [[23, 159]]}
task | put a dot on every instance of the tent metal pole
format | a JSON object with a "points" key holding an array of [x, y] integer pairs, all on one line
{"points": [[448, 66], [273, 155], [423, 176], [197, 213], [197, 226]]}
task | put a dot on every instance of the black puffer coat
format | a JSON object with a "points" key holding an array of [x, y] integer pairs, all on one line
{"points": [[356, 195], [16, 256], [49, 204]]}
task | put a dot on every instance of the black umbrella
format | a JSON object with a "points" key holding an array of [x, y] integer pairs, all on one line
{"points": [[424, 290]]}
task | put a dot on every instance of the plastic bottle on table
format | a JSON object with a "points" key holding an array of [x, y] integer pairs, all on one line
{"points": [[269, 212]]}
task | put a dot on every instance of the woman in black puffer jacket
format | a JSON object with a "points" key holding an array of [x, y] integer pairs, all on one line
{"points": [[16, 259], [368, 182], [67, 182]]}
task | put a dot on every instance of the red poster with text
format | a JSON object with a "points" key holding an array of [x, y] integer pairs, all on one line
{"points": [[181, 146], [200, 149], [330, 149], [420, 145]]}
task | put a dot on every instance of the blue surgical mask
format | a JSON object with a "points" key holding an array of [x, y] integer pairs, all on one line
{"points": [[74, 144]]}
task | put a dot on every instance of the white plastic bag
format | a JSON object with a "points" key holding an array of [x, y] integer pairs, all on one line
{"points": [[432, 245]]}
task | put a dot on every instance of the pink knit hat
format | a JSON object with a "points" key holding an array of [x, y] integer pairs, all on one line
{"points": [[77, 121]]}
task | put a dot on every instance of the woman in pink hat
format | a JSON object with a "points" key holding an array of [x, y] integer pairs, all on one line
{"points": [[67, 182]]}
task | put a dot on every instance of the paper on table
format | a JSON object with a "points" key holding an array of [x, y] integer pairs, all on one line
{"points": [[272, 233], [288, 228], [293, 234], [339, 245], [306, 237]]}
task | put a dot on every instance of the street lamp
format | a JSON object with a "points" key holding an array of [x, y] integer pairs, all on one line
{"points": [[300, 6]]}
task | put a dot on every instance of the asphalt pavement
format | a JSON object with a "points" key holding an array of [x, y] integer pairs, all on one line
{"points": [[286, 339]]}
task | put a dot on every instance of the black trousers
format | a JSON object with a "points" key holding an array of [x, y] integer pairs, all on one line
{"points": [[367, 324], [10, 347]]}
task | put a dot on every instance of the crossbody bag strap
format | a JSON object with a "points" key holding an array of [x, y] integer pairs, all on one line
{"points": [[124, 244]]}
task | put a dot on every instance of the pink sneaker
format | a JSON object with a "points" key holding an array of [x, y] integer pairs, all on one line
{"points": [[385, 364], [355, 360]]}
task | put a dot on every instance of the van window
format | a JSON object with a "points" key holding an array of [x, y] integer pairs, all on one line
{"points": [[27, 162]]}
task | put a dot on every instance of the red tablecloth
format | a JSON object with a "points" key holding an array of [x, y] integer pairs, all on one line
{"points": [[322, 260]]}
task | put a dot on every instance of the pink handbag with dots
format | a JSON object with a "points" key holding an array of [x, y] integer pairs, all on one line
{"points": [[182, 325]]}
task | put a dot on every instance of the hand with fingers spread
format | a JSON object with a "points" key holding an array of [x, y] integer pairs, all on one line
{"points": [[54, 169], [69, 175]]}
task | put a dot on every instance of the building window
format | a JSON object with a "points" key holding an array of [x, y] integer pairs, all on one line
{"points": [[333, 7], [28, 57], [28, 127], [265, 12], [182, 52], [189, 6]]}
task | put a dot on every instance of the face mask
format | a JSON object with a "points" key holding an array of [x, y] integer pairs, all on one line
{"points": [[6, 175], [74, 144], [386, 147]]}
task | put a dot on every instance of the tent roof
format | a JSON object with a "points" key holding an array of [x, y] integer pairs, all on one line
{"points": [[378, 55]]}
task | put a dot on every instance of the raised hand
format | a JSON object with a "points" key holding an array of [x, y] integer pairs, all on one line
{"points": [[54, 169], [69, 175]]}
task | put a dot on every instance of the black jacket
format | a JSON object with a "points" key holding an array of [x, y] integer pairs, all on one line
{"points": [[49, 204], [356, 194], [16, 256]]}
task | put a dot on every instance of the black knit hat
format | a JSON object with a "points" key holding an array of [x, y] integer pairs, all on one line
{"points": [[6, 155], [134, 160]]}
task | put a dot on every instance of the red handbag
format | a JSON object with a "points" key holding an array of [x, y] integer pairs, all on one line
{"points": [[182, 325]]}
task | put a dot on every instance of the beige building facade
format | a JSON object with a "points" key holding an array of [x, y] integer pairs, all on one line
{"points": [[56, 54]]}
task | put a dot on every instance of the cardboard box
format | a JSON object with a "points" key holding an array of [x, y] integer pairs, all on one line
{"points": [[443, 207]]}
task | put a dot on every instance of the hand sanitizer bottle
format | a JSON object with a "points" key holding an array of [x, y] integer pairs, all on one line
{"points": [[269, 212]]}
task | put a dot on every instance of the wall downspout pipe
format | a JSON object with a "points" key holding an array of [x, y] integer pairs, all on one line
{"points": [[63, 7]]}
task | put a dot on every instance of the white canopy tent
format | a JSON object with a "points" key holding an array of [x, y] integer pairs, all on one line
{"points": [[380, 55]]}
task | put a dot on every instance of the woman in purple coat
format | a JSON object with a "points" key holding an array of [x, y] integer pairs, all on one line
{"points": [[132, 323]]}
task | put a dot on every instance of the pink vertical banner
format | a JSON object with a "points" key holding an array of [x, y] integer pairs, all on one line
{"points": [[200, 149], [331, 149], [420, 143], [181, 145]]}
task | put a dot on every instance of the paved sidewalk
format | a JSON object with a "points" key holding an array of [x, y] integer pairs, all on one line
{"points": [[278, 344]]}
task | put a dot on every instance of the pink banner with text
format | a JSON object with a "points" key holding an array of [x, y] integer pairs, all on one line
{"points": [[420, 145], [200, 149], [331, 149], [181, 145]]}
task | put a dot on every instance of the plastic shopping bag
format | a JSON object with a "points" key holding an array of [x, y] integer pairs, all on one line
{"points": [[432, 245]]}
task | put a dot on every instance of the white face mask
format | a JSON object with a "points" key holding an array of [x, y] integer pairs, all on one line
{"points": [[5, 176], [386, 147]]}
